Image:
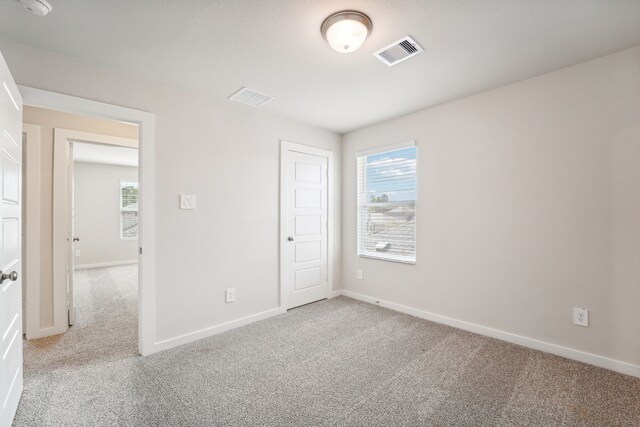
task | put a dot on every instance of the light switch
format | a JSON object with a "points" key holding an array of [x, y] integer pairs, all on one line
{"points": [[187, 201]]}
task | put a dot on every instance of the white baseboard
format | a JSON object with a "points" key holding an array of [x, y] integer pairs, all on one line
{"points": [[333, 294], [223, 327], [105, 264], [44, 332], [214, 330], [558, 350]]}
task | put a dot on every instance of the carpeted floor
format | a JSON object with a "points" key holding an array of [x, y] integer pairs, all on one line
{"points": [[338, 362]]}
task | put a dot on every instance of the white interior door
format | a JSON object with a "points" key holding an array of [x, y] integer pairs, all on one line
{"points": [[306, 224], [62, 237], [72, 239], [10, 256]]}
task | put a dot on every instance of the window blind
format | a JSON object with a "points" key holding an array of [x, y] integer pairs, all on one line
{"points": [[128, 210], [387, 204]]}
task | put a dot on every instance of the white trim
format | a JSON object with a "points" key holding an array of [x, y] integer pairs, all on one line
{"points": [[385, 148], [334, 294], [41, 333], [31, 224], [96, 138], [558, 350], [285, 147], [61, 231], [105, 264], [217, 329], [146, 122], [390, 258]]}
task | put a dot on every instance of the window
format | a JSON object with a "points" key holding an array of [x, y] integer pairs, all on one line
{"points": [[387, 204], [128, 210]]}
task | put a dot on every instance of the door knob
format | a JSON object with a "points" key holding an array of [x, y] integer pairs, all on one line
{"points": [[76, 239], [13, 276], [290, 238]]}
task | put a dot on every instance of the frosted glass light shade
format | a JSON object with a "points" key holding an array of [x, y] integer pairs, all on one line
{"points": [[346, 31]]}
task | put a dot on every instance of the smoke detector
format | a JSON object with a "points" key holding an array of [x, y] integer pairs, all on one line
{"points": [[37, 7]]}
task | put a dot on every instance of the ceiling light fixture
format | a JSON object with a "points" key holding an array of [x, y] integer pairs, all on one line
{"points": [[37, 7], [346, 31]]}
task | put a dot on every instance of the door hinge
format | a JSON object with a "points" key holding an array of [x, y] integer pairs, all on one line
{"points": [[140, 250]]}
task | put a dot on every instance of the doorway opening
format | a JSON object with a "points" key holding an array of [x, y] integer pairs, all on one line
{"points": [[82, 177], [146, 230], [103, 247]]}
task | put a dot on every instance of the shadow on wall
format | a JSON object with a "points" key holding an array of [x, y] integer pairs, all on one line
{"points": [[625, 237]]}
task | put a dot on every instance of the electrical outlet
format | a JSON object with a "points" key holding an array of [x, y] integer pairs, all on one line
{"points": [[580, 316], [77, 252], [230, 295], [359, 273]]}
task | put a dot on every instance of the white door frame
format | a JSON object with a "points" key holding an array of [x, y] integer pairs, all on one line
{"points": [[146, 122], [62, 194], [31, 229], [285, 148]]}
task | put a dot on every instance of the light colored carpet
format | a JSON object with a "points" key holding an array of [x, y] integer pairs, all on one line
{"points": [[338, 362]]}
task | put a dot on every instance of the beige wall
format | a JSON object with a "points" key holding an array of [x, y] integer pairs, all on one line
{"points": [[48, 121], [528, 201], [528, 205], [228, 155], [97, 214]]}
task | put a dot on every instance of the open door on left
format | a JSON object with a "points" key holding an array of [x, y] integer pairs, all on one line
{"points": [[10, 232]]}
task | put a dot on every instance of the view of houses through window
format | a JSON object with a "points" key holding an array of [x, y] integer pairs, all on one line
{"points": [[128, 210], [387, 205]]}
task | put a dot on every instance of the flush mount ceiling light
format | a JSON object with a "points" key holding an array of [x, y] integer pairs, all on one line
{"points": [[346, 31], [37, 7]]}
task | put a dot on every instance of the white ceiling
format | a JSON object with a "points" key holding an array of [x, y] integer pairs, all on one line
{"points": [[105, 154], [275, 46]]}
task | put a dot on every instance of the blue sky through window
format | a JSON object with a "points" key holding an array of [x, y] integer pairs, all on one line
{"points": [[392, 174]]}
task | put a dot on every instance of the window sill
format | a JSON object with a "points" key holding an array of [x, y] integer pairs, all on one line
{"points": [[388, 258]]}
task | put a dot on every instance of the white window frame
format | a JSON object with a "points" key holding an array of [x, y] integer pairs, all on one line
{"points": [[360, 190], [122, 236]]}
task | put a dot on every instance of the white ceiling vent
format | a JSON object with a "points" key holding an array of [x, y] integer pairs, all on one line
{"points": [[399, 51], [250, 97]]}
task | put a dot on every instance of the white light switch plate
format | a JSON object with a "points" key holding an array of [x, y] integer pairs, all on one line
{"points": [[187, 201]]}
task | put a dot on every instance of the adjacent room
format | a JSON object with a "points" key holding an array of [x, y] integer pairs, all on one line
{"points": [[297, 213], [80, 236]]}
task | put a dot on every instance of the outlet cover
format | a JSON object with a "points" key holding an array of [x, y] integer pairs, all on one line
{"points": [[230, 295], [77, 252], [580, 316], [359, 273]]}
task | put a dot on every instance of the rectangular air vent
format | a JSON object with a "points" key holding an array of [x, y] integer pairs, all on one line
{"points": [[399, 51], [250, 97]]}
